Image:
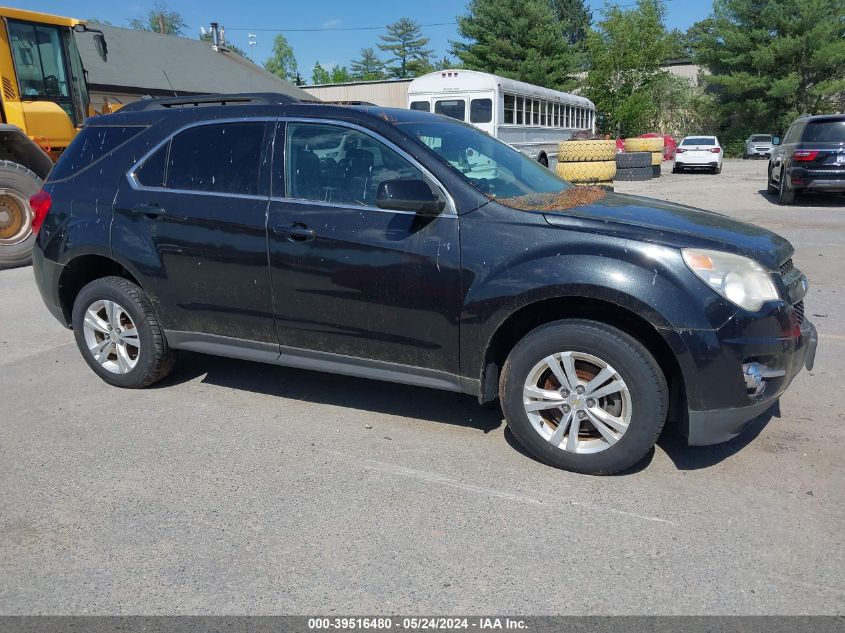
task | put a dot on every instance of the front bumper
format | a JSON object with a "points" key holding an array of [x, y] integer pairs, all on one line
{"points": [[789, 354]]}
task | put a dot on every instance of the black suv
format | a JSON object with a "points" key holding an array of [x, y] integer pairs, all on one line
{"points": [[811, 158], [408, 247]]}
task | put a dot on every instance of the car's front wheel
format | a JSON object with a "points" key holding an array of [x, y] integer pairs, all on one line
{"points": [[119, 334], [584, 396]]}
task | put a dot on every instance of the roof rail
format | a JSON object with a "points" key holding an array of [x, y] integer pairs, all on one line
{"points": [[193, 101]]}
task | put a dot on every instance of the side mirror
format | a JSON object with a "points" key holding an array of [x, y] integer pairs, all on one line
{"points": [[408, 195], [101, 46], [775, 140]]}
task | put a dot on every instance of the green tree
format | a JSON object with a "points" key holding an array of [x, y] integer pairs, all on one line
{"points": [[320, 75], [369, 67], [160, 20], [521, 39], [340, 74], [283, 62], [406, 45], [771, 61], [444, 63], [627, 49], [574, 18]]}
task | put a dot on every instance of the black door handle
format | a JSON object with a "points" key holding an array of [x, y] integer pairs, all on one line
{"points": [[149, 210], [297, 232]]}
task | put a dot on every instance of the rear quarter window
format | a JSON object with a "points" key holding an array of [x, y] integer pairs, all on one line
{"points": [[89, 146]]}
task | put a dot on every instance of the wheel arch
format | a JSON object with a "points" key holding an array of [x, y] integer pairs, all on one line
{"points": [[17, 147], [82, 270], [530, 316]]}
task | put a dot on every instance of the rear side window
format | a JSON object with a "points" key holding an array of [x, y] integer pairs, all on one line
{"points": [[151, 173], [91, 144], [223, 158], [422, 106], [824, 132]]}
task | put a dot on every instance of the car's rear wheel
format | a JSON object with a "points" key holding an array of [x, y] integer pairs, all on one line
{"points": [[771, 187], [786, 194], [119, 334], [717, 169], [584, 396]]}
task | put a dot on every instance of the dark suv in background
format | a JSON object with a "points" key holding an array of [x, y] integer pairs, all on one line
{"points": [[810, 158], [408, 247]]}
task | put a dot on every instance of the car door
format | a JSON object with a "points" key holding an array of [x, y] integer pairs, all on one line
{"points": [[192, 220], [350, 278]]}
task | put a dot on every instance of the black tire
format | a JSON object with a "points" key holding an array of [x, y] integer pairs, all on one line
{"points": [[155, 358], [633, 173], [543, 160], [717, 169], [634, 364], [655, 171], [786, 194], [18, 184], [771, 187], [628, 160]]}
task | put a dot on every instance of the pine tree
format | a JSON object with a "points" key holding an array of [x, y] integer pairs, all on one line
{"points": [[771, 61], [320, 75], [575, 19], [407, 46], [161, 20], [520, 39], [368, 68]]}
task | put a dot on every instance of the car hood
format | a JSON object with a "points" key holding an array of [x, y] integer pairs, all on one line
{"points": [[675, 225]]}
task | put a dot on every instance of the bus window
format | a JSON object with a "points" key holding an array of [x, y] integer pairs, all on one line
{"points": [[422, 106], [535, 112], [454, 108], [510, 108], [544, 119], [480, 111], [520, 110]]}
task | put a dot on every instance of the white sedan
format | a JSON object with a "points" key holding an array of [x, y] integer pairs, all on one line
{"points": [[699, 152]]}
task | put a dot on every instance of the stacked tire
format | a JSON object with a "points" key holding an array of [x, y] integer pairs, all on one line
{"points": [[587, 162], [652, 145], [633, 166]]}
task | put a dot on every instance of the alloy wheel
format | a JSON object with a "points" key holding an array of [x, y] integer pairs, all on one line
{"points": [[111, 336], [577, 402]]}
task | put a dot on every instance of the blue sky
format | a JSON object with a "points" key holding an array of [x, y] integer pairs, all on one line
{"points": [[327, 47]]}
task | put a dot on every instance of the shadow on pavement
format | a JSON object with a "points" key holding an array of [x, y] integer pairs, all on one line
{"points": [[335, 390], [830, 200]]}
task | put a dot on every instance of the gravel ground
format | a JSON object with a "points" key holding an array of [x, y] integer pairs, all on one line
{"points": [[235, 487]]}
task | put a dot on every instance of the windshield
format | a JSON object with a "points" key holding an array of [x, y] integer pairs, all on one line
{"points": [[825, 132], [699, 140], [761, 138], [492, 167]]}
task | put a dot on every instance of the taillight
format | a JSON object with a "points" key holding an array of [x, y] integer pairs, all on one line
{"points": [[680, 150], [40, 204], [716, 150], [805, 155]]}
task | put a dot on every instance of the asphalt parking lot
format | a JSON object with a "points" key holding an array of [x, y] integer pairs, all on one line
{"points": [[234, 487]]}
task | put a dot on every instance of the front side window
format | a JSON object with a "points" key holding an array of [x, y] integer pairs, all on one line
{"points": [[481, 111], [39, 60], [331, 163], [491, 166], [222, 158], [422, 106], [452, 108]]}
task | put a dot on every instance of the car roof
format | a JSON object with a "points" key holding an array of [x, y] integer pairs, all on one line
{"points": [[823, 117]]}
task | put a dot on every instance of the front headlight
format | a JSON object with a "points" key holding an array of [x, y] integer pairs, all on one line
{"points": [[738, 279]]}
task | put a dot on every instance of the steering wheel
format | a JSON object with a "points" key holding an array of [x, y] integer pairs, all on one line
{"points": [[51, 84]]}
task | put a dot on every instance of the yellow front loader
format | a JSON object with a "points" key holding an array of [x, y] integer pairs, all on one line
{"points": [[44, 97]]}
